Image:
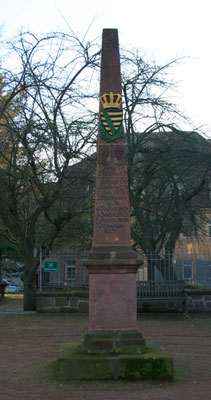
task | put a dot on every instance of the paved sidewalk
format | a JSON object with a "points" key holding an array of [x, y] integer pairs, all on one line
{"points": [[16, 311]]}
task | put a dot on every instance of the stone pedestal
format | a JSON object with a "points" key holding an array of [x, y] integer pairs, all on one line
{"points": [[112, 288], [112, 300]]}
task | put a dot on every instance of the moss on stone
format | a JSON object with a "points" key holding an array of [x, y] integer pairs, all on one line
{"points": [[146, 367], [73, 364], [113, 342]]}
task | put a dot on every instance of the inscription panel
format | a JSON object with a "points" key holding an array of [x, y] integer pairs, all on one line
{"points": [[112, 211]]}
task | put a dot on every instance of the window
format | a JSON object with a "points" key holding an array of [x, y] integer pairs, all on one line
{"points": [[71, 270], [188, 270]]}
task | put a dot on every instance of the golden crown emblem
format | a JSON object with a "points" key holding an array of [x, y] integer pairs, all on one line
{"points": [[111, 100]]}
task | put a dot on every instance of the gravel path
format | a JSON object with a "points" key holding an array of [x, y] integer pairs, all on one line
{"points": [[29, 342]]}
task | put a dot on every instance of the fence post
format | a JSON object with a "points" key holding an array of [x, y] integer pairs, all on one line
{"points": [[145, 263], [40, 269], [59, 276], [183, 272]]}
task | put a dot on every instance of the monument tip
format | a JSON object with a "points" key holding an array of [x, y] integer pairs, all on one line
{"points": [[108, 33]]}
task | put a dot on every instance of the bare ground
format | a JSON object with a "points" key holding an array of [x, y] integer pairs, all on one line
{"points": [[28, 343]]}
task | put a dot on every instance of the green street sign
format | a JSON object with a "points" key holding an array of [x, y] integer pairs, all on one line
{"points": [[50, 266]]}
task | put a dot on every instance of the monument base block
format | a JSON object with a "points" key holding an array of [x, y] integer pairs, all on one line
{"points": [[113, 341], [152, 363]]}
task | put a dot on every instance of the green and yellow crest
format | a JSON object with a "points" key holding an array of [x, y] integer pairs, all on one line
{"points": [[111, 127]]}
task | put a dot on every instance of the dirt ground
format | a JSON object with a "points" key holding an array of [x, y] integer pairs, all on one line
{"points": [[28, 343]]}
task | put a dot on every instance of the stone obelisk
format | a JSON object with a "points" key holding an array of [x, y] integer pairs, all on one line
{"points": [[112, 347], [112, 263]]}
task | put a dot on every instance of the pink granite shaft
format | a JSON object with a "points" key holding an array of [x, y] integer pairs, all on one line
{"points": [[112, 263], [112, 210]]}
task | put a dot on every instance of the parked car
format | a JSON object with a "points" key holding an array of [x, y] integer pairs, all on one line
{"points": [[12, 288]]}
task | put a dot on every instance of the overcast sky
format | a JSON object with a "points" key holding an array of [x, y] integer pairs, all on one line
{"points": [[163, 29]]}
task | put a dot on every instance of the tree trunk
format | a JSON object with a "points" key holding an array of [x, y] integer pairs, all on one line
{"points": [[151, 271], [151, 264], [164, 265], [29, 279], [30, 291], [167, 268]]}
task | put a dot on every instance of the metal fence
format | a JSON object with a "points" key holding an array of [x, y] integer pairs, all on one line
{"points": [[65, 269], [193, 268]]}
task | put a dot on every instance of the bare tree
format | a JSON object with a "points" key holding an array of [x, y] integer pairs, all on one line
{"points": [[49, 136], [50, 129], [168, 167]]}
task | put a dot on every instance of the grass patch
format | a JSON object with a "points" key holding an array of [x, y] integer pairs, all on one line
{"points": [[64, 293], [14, 295]]}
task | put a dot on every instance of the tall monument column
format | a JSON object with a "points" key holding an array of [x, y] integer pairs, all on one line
{"points": [[112, 263], [112, 347]]}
